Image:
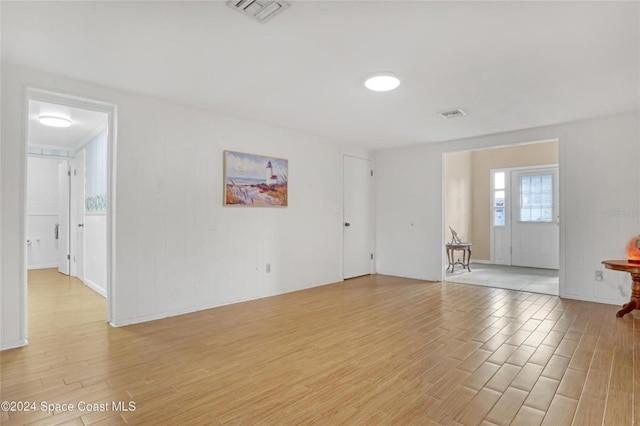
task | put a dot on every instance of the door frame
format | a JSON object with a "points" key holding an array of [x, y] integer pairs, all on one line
{"points": [[43, 95], [371, 210], [561, 195]]}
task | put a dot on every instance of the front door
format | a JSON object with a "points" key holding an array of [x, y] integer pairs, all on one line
{"points": [[535, 234]]}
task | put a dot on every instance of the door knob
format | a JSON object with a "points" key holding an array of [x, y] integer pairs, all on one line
{"points": [[80, 225], [347, 224]]}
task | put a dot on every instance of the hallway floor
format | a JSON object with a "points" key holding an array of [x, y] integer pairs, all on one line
{"points": [[533, 280], [59, 302]]}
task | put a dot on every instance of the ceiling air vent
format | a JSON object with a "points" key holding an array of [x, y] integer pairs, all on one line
{"points": [[451, 113], [258, 10]]}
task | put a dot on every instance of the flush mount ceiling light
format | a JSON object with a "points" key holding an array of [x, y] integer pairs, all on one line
{"points": [[53, 121], [382, 82]]}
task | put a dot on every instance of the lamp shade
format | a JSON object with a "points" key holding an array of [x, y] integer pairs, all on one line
{"points": [[633, 250]]}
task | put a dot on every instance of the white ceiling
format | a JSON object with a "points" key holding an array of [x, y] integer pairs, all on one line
{"points": [[84, 125], [509, 65]]}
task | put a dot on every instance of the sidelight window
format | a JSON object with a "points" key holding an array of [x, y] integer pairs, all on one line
{"points": [[498, 203]]}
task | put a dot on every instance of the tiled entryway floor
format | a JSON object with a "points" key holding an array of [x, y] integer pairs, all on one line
{"points": [[531, 280]]}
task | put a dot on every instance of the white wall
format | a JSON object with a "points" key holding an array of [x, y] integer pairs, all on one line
{"points": [[600, 203], [95, 252], [94, 268], [177, 249], [42, 212], [458, 184]]}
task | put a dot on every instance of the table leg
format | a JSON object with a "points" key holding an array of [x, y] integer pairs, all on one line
{"points": [[464, 259], [634, 302], [628, 307], [469, 259]]}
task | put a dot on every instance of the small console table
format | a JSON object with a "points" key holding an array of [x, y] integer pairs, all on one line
{"points": [[634, 270], [466, 255]]}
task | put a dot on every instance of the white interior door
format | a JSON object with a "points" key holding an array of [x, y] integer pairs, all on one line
{"points": [[535, 234], [358, 217], [63, 217], [77, 215]]}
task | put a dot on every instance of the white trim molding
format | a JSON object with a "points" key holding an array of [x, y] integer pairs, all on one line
{"points": [[95, 287]]}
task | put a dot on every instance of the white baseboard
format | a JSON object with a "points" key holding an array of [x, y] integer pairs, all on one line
{"points": [[197, 308], [175, 312], [413, 277], [484, 262], [14, 344], [95, 287], [43, 266], [594, 300]]}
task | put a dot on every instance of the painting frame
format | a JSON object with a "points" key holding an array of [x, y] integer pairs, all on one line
{"points": [[254, 180]]}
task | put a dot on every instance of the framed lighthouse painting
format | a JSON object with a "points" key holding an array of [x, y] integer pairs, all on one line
{"points": [[255, 180]]}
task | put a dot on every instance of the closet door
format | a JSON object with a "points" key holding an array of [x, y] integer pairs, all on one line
{"points": [[358, 217]]}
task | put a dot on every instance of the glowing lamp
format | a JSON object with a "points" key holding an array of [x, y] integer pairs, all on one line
{"points": [[633, 250], [382, 82]]}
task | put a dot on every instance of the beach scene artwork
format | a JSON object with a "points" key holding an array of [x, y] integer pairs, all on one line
{"points": [[255, 180]]}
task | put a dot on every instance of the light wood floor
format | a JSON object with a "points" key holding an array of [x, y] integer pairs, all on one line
{"points": [[374, 350]]}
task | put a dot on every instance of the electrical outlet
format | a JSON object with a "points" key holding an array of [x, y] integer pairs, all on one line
{"points": [[599, 276], [268, 268]]}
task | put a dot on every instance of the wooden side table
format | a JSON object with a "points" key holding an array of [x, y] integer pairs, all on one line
{"points": [[634, 270], [466, 255]]}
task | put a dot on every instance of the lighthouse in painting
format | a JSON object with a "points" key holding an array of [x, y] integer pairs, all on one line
{"points": [[271, 178]]}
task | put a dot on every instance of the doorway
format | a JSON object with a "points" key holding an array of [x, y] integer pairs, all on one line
{"points": [[358, 217], [504, 201], [69, 142]]}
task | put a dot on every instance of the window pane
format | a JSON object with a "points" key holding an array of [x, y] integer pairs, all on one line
{"points": [[498, 217], [536, 213], [536, 198], [498, 180], [535, 184], [498, 199]]}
